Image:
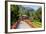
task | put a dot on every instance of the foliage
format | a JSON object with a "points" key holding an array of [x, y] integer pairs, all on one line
{"points": [[39, 14], [19, 10], [14, 12]]}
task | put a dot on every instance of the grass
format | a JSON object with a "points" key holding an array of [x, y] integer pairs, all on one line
{"points": [[37, 24]]}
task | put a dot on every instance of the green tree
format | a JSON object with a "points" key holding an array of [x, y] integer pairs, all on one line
{"points": [[39, 14], [14, 13]]}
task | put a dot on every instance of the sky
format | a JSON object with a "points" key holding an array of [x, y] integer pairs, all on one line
{"points": [[32, 6]]}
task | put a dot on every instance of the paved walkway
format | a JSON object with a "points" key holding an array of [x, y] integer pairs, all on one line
{"points": [[23, 25]]}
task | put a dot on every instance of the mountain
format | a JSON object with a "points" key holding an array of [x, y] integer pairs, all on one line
{"points": [[29, 9]]}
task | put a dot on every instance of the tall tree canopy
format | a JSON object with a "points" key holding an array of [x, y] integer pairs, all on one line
{"points": [[39, 14], [14, 12]]}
